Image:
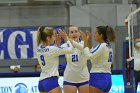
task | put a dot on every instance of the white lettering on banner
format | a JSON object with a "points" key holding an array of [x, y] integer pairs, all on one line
{"points": [[23, 50], [11, 43], [117, 88], [121, 88], [34, 36], [12, 47], [34, 89], [1, 41]]}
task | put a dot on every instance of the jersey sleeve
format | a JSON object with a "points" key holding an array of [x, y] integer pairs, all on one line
{"points": [[79, 46], [56, 51], [64, 45], [98, 50]]}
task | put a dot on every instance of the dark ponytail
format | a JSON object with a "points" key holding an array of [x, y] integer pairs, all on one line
{"points": [[111, 34], [107, 32]]}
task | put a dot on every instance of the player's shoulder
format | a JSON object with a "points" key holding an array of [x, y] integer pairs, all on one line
{"points": [[64, 45], [106, 45], [101, 45], [54, 48]]}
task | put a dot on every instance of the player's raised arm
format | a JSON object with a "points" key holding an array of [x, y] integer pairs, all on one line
{"points": [[56, 51], [97, 51]]}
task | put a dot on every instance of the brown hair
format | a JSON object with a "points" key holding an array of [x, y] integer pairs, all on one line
{"points": [[43, 33], [107, 32]]}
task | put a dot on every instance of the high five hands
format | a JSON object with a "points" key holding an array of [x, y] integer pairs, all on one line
{"points": [[86, 37]]}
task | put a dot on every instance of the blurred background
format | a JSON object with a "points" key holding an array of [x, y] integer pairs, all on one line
{"points": [[20, 19]]}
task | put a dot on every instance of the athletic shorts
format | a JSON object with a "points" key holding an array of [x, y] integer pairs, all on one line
{"points": [[75, 84], [101, 81], [48, 84]]}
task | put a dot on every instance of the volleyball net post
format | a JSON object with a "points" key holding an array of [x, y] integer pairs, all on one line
{"points": [[128, 55]]}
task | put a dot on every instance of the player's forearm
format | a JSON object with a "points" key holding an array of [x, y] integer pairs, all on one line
{"points": [[77, 45]]}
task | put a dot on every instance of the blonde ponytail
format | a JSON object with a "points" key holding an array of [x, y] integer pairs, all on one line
{"points": [[38, 37], [42, 33]]}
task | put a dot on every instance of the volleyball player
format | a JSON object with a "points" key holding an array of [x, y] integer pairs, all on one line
{"points": [[47, 55], [76, 75], [101, 59]]}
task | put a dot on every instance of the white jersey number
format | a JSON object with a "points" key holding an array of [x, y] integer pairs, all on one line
{"points": [[42, 59], [74, 58]]}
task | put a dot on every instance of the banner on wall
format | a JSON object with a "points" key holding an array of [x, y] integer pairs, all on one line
{"points": [[16, 43], [30, 84], [20, 43]]}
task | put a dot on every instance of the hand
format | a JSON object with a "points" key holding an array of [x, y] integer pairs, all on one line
{"points": [[88, 35], [84, 38], [63, 35], [83, 35], [89, 40], [58, 40]]}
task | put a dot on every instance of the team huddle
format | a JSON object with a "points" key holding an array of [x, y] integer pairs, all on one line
{"points": [[77, 49]]}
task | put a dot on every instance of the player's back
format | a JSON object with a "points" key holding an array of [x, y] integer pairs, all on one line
{"points": [[48, 61]]}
